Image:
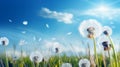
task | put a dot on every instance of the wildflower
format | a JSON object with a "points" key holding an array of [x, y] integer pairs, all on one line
{"points": [[66, 65], [104, 42], [4, 41], [107, 30], [15, 57], [36, 57], [90, 28], [84, 63]]}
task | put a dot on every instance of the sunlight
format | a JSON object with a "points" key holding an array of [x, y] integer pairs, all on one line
{"points": [[102, 9]]}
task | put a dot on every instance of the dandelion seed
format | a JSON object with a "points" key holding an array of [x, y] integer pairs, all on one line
{"points": [[66, 65], [25, 22], [69, 33], [107, 30], [36, 57], [9, 20], [22, 42], [47, 26], [84, 63], [4, 41], [23, 32], [90, 28]]}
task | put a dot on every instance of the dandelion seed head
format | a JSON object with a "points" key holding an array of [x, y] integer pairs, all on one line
{"points": [[36, 57], [104, 43], [90, 28], [66, 65], [107, 30], [4, 41], [84, 63]]}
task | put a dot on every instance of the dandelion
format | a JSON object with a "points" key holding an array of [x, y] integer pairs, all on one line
{"points": [[106, 45], [66, 65], [107, 30], [36, 57], [84, 63], [91, 29], [4, 42], [56, 47]]}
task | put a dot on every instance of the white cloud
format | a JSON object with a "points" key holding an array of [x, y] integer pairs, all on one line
{"points": [[103, 12], [60, 16]]}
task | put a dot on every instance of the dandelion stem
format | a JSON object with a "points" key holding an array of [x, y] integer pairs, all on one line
{"points": [[115, 57], [7, 65], [109, 58], [95, 52], [103, 57]]}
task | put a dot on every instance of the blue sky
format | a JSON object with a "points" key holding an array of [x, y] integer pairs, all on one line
{"points": [[54, 20]]}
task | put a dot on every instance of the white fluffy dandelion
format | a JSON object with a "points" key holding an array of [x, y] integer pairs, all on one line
{"points": [[89, 28], [66, 65], [84, 63], [107, 30], [57, 48], [4, 41], [36, 57], [104, 43]]}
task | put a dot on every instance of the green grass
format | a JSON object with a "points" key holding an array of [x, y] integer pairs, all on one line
{"points": [[56, 61]]}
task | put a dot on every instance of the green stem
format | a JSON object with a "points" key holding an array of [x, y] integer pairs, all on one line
{"points": [[109, 58], [95, 52], [36, 64], [115, 57], [7, 65]]}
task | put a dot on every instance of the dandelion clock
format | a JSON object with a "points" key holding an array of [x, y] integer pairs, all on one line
{"points": [[66, 65], [107, 30], [36, 57], [4, 41], [90, 28], [84, 63], [104, 43]]}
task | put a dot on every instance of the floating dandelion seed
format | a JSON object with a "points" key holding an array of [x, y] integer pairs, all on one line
{"points": [[25, 22], [22, 42], [39, 39], [66, 65], [9, 20], [47, 26], [36, 57], [90, 28], [69, 33], [4, 41], [107, 30], [104, 42], [84, 63], [23, 32]]}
